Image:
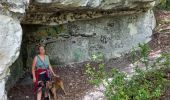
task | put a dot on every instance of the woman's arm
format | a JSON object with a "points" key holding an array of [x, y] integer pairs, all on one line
{"points": [[33, 68], [50, 67]]}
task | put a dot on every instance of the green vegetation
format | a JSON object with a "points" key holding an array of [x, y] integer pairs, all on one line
{"points": [[145, 84], [164, 4]]}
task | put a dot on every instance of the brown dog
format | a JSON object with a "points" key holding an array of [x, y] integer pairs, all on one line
{"points": [[55, 85]]}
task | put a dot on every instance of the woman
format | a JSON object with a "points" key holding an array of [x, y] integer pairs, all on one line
{"points": [[41, 69]]}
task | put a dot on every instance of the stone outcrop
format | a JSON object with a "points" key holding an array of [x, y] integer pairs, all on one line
{"points": [[81, 28], [78, 41], [13, 8], [97, 4], [57, 12], [10, 40], [11, 12]]}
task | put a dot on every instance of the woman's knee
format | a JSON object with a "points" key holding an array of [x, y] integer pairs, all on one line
{"points": [[47, 84], [39, 91]]}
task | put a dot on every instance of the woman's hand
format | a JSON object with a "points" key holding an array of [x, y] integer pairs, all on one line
{"points": [[56, 75], [50, 67]]}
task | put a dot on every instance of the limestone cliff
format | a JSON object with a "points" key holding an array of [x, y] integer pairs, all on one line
{"points": [[80, 28], [56, 12]]}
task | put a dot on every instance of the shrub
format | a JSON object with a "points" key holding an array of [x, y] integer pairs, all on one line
{"points": [[144, 85], [164, 4]]}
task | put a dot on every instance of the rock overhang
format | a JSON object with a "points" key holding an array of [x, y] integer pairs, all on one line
{"points": [[94, 4], [56, 12]]}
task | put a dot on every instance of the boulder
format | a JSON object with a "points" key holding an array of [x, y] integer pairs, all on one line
{"points": [[112, 37], [77, 41], [10, 40], [11, 13], [56, 12]]}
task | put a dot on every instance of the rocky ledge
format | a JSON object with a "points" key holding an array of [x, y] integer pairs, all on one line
{"points": [[57, 12]]}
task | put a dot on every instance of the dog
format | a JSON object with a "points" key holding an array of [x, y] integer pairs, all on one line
{"points": [[55, 85]]}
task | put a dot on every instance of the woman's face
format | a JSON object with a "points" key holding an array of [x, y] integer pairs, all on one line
{"points": [[42, 50]]}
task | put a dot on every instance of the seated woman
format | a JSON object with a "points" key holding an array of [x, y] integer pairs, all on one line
{"points": [[41, 69]]}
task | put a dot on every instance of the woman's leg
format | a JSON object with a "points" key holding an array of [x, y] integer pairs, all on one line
{"points": [[39, 94], [47, 90], [41, 84]]}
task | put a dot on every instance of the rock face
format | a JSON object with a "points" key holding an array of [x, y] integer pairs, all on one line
{"points": [[10, 40], [57, 12], [13, 8], [11, 12], [78, 41], [97, 4], [16, 72]]}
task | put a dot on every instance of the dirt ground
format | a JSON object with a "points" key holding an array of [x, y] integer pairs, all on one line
{"points": [[75, 80]]}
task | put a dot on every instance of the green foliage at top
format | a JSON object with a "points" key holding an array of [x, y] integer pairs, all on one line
{"points": [[144, 85], [164, 4]]}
